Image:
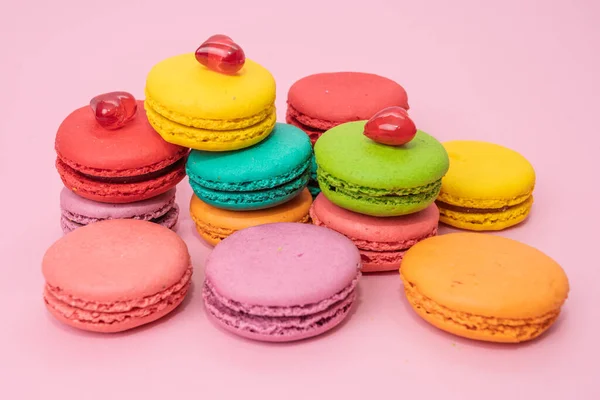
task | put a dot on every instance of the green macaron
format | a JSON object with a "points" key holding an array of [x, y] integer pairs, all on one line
{"points": [[367, 177]]}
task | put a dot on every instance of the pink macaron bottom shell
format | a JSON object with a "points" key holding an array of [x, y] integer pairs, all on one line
{"points": [[279, 324], [313, 127], [117, 316], [167, 216], [380, 256]]}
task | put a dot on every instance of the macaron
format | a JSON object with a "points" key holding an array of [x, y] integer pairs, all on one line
{"points": [[115, 275], [215, 224], [193, 106], [76, 211], [484, 287], [281, 282], [317, 103], [382, 242], [361, 175], [265, 175], [487, 188], [129, 164]]}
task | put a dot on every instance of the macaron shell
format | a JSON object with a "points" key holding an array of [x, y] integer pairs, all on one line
{"points": [[484, 287], [347, 154], [237, 136], [341, 96], [284, 151], [485, 175], [118, 192], [283, 264], [184, 91], [214, 223], [487, 221], [86, 146], [374, 229], [128, 323], [116, 260], [293, 335]]}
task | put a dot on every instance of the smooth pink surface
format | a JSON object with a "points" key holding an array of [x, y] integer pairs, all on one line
{"points": [[282, 265], [521, 73]]}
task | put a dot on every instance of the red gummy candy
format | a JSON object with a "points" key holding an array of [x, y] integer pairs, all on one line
{"points": [[221, 54], [391, 126], [113, 110]]}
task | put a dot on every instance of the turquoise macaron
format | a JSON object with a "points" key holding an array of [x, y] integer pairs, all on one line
{"points": [[269, 173]]}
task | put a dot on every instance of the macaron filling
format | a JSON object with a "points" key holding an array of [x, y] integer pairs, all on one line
{"points": [[518, 329], [278, 321], [413, 195], [90, 312]]}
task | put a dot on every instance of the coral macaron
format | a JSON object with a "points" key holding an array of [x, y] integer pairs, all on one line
{"points": [[281, 282], [115, 275], [382, 242], [484, 287], [129, 164]]}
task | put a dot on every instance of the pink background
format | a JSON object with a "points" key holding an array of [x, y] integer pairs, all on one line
{"points": [[520, 73]]}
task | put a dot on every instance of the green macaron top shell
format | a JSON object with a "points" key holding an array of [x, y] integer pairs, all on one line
{"points": [[347, 155]]}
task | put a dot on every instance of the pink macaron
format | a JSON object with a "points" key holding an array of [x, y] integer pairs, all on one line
{"points": [[382, 241], [281, 282], [76, 211], [115, 275]]}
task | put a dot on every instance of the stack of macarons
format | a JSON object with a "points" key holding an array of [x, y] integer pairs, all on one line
{"points": [[377, 191], [115, 166], [244, 168]]}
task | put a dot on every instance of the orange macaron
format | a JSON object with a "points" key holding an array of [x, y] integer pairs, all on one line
{"points": [[484, 287], [215, 224]]}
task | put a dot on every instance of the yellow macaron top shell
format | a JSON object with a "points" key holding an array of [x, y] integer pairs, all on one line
{"points": [[485, 175], [184, 91]]}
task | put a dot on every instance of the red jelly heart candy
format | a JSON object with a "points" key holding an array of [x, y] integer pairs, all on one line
{"points": [[113, 110], [221, 54], [391, 126]]}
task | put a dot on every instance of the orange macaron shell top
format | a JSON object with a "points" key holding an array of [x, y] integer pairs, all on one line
{"points": [[484, 286], [215, 223], [133, 150], [114, 275]]}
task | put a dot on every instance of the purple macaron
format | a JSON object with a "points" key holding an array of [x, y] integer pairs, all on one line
{"points": [[76, 211], [281, 282]]}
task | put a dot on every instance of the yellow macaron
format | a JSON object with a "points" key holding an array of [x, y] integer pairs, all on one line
{"points": [[193, 106], [488, 187]]}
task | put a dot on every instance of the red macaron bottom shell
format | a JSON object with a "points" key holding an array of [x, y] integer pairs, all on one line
{"points": [[276, 329], [314, 128], [119, 316], [109, 192]]}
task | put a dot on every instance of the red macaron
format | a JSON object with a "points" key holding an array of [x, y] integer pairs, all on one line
{"points": [[322, 101], [123, 165]]}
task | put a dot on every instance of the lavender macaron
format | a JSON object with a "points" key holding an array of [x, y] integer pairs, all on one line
{"points": [[76, 211], [281, 282]]}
